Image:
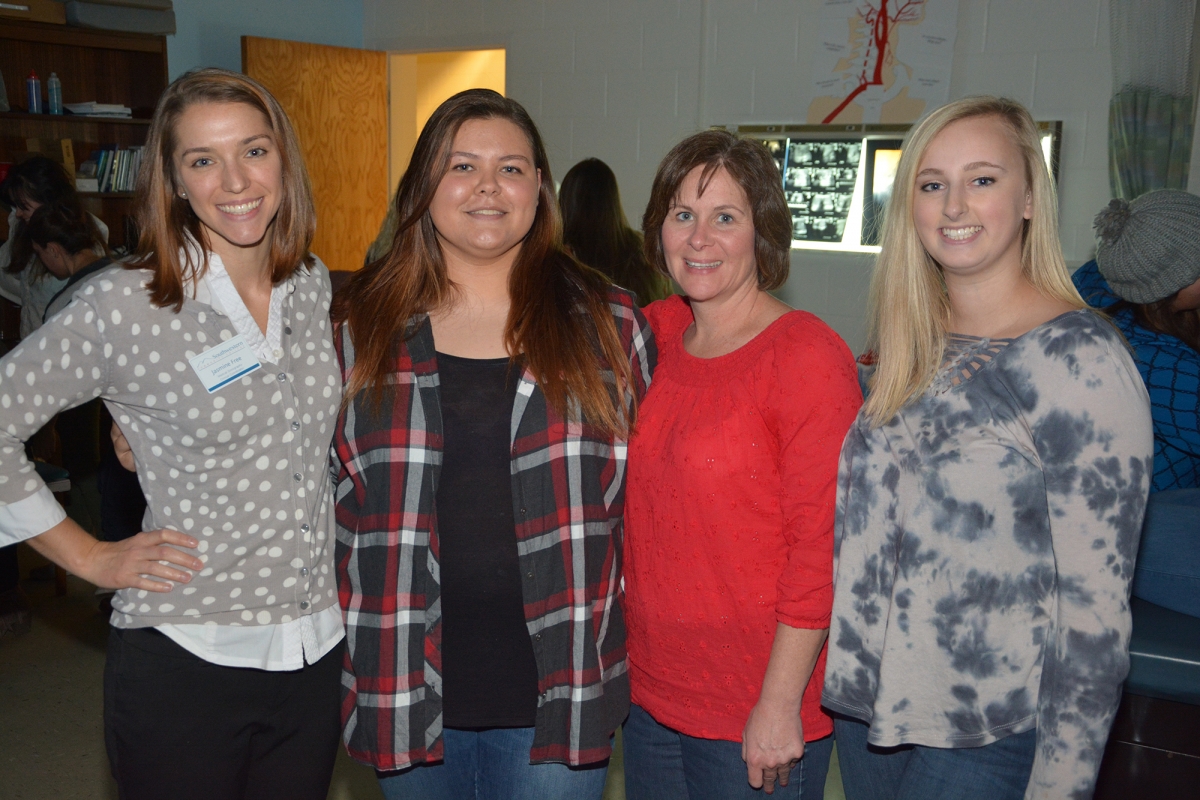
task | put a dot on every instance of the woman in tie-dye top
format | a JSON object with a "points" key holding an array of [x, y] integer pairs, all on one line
{"points": [[990, 493]]}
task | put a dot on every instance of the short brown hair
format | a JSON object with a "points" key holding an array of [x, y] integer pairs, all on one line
{"points": [[752, 167], [164, 218]]}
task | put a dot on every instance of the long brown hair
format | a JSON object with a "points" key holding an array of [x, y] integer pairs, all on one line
{"points": [[1158, 317], [595, 230], [165, 220], [753, 169], [559, 320]]}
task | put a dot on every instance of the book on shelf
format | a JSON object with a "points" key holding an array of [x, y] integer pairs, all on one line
{"points": [[116, 169], [94, 109]]}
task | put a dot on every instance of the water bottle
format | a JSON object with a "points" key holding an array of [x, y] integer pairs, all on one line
{"points": [[54, 94], [33, 93]]}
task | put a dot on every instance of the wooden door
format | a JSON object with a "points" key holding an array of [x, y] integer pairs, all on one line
{"points": [[337, 98]]}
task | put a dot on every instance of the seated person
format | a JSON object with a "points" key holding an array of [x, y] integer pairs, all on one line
{"points": [[24, 279], [1146, 276], [69, 246], [66, 242]]}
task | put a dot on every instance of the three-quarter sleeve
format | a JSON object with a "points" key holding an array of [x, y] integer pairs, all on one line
{"points": [[1092, 431], [59, 366], [812, 397]]}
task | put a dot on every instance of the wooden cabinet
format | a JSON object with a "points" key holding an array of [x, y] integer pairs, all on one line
{"points": [[105, 66]]}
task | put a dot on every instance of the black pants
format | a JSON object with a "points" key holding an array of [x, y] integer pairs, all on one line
{"points": [[10, 575], [180, 728]]}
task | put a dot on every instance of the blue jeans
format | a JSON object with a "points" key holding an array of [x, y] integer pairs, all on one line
{"points": [[1168, 563], [493, 765], [664, 764], [996, 771]]}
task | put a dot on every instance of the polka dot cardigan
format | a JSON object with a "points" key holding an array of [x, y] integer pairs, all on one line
{"points": [[244, 469]]}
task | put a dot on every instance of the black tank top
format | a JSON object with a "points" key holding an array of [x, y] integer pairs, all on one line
{"points": [[489, 676]]}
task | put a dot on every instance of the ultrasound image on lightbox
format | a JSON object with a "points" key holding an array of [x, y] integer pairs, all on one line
{"points": [[778, 150], [818, 182]]}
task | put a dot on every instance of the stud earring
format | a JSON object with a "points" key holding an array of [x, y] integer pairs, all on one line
{"points": [[183, 195]]}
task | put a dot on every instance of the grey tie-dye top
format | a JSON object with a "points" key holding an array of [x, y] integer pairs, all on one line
{"points": [[985, 541]]}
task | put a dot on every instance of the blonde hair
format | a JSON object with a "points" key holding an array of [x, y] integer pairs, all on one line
{"points": [[909, 307]]}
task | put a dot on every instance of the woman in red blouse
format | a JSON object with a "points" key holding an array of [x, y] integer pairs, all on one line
{"points": [[729, 508]]}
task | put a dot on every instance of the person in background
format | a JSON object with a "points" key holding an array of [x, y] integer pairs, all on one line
{"points": [[66, 242], [990, 493], [732, 474], [24, 279], [491, 383], [213, 351], [1146, 277], [596, 233]]}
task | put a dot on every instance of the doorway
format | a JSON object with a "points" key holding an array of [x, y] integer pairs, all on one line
{"points": [[334, 96], [417, 85]]}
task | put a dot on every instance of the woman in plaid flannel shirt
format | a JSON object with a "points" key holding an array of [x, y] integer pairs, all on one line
{"points": [[476, 323]]}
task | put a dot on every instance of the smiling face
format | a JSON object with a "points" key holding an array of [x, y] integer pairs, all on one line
{"points": [[227, 165], [971, 199], [708, 239], [486, 202]]}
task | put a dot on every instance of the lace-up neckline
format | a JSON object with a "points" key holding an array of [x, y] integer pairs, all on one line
{"points": [[964, 357]]}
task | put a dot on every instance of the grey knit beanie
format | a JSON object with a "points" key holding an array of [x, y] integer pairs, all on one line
{"points": [[1150, 248]]}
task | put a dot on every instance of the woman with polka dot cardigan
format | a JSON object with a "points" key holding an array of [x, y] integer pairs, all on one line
{"points": [[213, 351]]}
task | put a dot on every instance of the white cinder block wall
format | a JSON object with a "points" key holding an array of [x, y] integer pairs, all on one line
{"points": [[623, 80]]}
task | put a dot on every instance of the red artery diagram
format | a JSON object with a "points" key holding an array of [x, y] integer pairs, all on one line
{"points": [[880, 18]]}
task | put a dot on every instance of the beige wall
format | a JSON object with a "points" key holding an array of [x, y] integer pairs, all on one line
{"points": [[420, 82]]}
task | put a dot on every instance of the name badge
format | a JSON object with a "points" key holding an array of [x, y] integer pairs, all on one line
{"points": [[222, 365]]}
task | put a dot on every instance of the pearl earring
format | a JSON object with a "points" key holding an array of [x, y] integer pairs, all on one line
{"points": [[183, 195]]}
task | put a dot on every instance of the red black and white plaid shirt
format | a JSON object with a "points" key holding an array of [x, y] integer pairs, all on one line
{"points": [[568, 489]]}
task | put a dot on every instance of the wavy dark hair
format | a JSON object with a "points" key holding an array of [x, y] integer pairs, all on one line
{"points": [[595, 230], [165, 220], [43, 181], [559, 321]]}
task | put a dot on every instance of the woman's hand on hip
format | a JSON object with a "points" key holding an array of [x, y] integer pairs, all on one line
{"points": [[772, 744], [146, 561]]}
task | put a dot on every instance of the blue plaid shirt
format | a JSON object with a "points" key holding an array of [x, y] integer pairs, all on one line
{"points": [[1171, 371]]}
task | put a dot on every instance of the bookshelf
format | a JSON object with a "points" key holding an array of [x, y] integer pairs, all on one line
{"points": [[106, 66]]}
